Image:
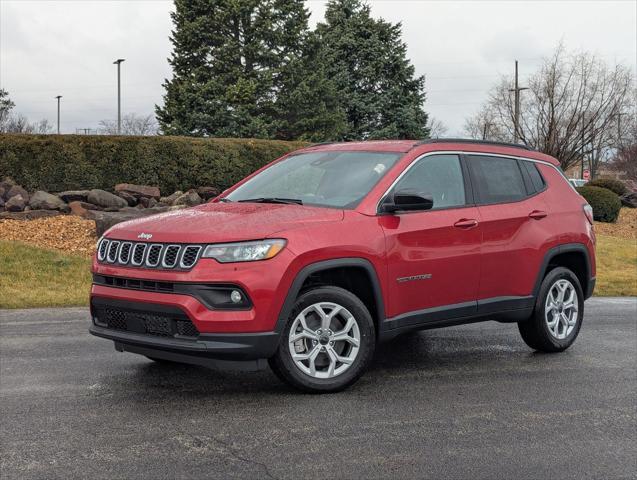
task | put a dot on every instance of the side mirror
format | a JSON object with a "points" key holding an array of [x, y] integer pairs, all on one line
{"points": [[407, 200]]}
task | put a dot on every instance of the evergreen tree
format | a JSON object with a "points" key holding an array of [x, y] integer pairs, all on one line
{"points": [[238, 71], [377, 86]]}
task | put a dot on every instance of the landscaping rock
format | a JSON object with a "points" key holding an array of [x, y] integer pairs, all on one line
{"points": [[81, 208], [45, 201], [138, 191], [170, 199], [74, 195], [206, 193], [6, 184], [2, 192], [1, 203], [28, 215], [105, 220], [190, 199], [15, 204], [105, 199], [129, 197], [629, 200], [17, 190]]}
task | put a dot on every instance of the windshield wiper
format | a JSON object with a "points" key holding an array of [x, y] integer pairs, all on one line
{"points": [[287, 201]]}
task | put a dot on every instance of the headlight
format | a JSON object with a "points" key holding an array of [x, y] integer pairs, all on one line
{"points": [[244, 251]]}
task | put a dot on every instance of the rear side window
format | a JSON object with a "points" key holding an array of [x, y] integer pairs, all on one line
{"points": [[439, 176], [497, 179], [536, 178]]}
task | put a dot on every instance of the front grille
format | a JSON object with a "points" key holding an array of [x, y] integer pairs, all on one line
{"points": [[171, 253], [148, 255], [154, 254], [155, 324]]}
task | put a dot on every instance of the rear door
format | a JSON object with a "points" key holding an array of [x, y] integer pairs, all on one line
{"points": [[433, 256], [513, 211]]}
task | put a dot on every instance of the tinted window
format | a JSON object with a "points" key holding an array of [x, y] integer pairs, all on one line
{"points": [[498, 180], [439, 176], [536, 177]]}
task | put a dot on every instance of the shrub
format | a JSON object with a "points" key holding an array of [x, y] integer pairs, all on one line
{"points": [[68, 162], [611, 184], [605, 203]]}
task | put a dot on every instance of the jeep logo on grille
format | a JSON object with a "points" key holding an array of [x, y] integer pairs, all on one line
{"points": [[145, 236]]}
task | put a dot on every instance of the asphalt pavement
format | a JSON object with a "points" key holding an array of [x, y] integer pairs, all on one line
{"points": [[462, 402]]}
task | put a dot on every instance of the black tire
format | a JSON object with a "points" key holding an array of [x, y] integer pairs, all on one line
{"points": [[284, 366], [535, 331]]}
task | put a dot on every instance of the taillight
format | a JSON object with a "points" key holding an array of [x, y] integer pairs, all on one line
{"points": [[588, 211]]}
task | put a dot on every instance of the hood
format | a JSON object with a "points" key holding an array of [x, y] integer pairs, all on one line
{"points": [[222, 222]]}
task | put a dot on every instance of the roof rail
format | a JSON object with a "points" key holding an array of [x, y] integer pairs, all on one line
{"points": [[481, 142]]}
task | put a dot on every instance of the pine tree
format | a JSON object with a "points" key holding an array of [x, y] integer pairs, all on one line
{"points": [[238, 71], [377, 86]]}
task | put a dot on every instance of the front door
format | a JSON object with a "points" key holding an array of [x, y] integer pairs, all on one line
{"points": [[433, 256]]}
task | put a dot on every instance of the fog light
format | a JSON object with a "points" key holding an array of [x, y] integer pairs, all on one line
{"points": [[236, 297]]}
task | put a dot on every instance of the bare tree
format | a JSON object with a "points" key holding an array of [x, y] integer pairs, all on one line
{"points": [[16, 123], [132, 124], [484, 126], [569, 110], [437, 129]]}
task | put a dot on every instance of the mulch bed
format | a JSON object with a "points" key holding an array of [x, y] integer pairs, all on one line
{"points": [[67, 233], [626, 226]]}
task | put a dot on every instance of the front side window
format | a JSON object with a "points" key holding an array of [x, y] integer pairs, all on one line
{"points": [[439, 176], [497, 179], [329, 179]]}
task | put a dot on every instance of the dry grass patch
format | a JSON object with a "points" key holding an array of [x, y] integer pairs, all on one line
{"points": [[38, 277], [625, 227], [616, 266]]}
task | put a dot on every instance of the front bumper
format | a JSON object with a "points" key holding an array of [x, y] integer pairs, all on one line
{"points": [[151, 330]]}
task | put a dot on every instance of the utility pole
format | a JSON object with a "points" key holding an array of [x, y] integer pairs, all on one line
{"points": [[581, 174], [516, 113], [58, 97], [485, 129], [619, 128], [118, 62]]}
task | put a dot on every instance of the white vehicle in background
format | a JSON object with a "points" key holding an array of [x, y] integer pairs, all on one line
{"points": [[577, 182]]}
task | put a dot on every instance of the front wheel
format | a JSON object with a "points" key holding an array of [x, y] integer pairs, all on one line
{"points": [[558, 313], [327, 343]]}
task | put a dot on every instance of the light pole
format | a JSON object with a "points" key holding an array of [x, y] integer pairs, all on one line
{"points": [[58, 97], [118, 62], [516, 111]]}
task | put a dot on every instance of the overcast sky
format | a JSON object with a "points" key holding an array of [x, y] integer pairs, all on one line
{"points": [[65, 47]]}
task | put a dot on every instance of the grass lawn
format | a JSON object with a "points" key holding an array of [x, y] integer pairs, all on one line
{"points": [[36, 277], [616, 266]]}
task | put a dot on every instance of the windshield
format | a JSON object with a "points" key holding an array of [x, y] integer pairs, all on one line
{"points": [[329, 179]]}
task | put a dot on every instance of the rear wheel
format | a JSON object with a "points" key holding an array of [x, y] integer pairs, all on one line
{"points": [[558, 313], [327, 342]]}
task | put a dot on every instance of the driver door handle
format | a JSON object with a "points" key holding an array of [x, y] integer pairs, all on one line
{"points": [[466, 223], [538, 214]]}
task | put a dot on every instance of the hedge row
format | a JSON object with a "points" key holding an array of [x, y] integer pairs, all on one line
{"points": [[67, 162], [606, 204]]}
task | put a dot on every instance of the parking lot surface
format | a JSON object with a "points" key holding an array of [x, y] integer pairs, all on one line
{"points": [[462, 402]]}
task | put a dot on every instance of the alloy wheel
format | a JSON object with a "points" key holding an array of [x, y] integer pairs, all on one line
{"points": [[561, 309]]}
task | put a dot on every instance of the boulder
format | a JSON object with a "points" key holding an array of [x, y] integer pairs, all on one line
{"points": [[6, 184], [170, 199], [105, 220], [28, 215], [190, 199], [629, 200], [138, 191], [129, 197], [1, 203], [206, 193], [45, 201], [2, 192], [81, 209], [105, 199], [17, 190], [15, 204], [74, 195]]}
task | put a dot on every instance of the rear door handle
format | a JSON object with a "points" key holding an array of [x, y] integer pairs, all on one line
{"points": [[538, 214], [466, 223]]}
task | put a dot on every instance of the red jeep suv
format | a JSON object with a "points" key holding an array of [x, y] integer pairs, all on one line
{"points": [[312, 260]]}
